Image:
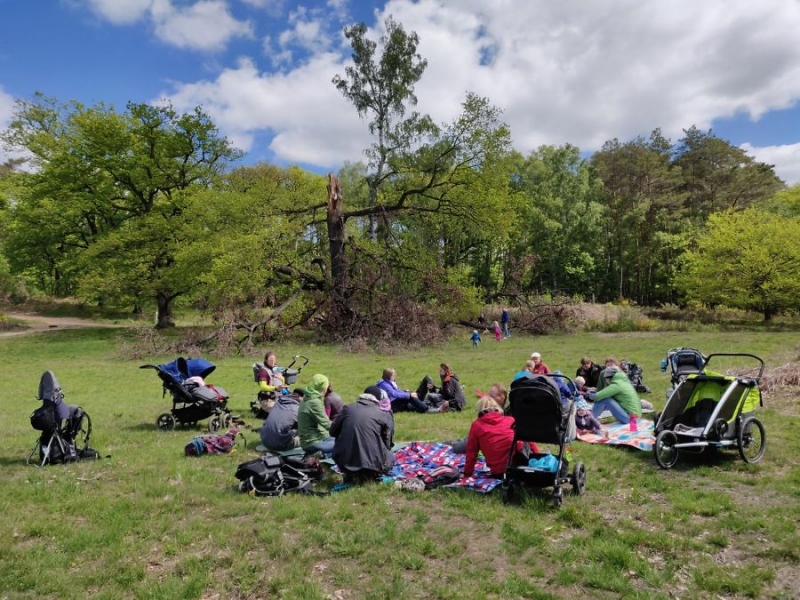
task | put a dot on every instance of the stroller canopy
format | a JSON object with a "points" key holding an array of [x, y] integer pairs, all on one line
{"points": [[183, 368], [50, 391]]}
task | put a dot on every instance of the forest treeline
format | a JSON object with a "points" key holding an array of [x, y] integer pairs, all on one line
{"points": [[149, 208]]}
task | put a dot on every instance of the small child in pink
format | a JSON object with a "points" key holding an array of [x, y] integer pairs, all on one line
{"points": [[498, 333]]}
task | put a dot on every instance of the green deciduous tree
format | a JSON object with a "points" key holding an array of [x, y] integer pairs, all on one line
{"points": [[748, 259], [117, 183]]}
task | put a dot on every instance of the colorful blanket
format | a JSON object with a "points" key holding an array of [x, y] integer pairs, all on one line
{"points": [[619, 434], [421, 458]]}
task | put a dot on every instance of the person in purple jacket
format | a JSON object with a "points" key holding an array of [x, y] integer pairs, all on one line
{"points": [[400, 399]]}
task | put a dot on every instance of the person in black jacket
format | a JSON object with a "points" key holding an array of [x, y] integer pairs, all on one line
{"points": [[448, 397], [364, 433], [590, 371]]}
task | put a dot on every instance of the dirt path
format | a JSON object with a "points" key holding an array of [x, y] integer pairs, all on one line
{"points": [[39, 323]]}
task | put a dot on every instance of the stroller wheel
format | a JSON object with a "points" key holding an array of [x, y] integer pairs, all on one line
{"points": [[578, 479], [215, 424], [165, 422], [664, 449], [752, 440], [225, 420]]}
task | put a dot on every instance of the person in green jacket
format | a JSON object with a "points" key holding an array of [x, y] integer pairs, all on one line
{"points": [[616, 394], [313, 425]]}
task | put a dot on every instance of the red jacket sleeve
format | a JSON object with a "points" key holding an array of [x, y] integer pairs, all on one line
{"points": [[473, 447]]}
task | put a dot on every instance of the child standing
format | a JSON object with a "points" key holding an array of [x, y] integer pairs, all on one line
{"points": [[476, 338], [498, 333]]}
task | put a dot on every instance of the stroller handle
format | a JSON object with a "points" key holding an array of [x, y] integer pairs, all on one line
{"points": [[294, 360], [737, 354]]}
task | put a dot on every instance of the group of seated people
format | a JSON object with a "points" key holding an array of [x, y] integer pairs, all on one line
{"points": [[359, 436]]}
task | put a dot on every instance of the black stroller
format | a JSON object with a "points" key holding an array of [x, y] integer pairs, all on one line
{"points": [[192, 399], [681, 362], [65, 429], [541, 416], [264, 402]]}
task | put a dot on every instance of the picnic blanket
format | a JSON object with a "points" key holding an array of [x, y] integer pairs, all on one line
{"points": [[619, 434], [421, 458]]}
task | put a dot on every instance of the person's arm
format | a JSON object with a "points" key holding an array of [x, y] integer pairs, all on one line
{"points": [[265, 381], [387, 432], [611, 390], [317, 410]]}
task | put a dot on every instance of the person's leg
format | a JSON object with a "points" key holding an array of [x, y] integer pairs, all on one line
{"points": [[418, 405], [399, 406], [619, 413], [459, 446], [325, 446]]}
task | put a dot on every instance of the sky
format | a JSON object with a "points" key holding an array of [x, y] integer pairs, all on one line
{"points": [[565, 71]]}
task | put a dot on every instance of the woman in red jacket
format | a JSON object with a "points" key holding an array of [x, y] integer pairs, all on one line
{"points": [[491, 433]]}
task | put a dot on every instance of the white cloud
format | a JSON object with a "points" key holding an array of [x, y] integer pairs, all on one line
{"points": [[786, 159], [562, 72], [7, 107], [120, 12], [311, 121], [202, 25], [205, 25]]}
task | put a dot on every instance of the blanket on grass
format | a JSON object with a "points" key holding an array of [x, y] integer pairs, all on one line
{"points": [[619, 434], [418, 459]]}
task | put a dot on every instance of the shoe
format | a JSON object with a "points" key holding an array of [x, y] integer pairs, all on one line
{"points": [[433, 410], [410, 485]]}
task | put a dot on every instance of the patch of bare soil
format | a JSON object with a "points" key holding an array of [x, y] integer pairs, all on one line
{"points": [[36, 323]]}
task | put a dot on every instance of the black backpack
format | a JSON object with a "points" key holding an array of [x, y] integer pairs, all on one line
{"points": [[272, 475]]}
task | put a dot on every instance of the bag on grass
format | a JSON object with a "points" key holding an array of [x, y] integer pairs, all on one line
{"points": [[213, 444], [271, 475]]}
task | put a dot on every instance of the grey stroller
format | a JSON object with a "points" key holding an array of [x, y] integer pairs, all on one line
{"points": [[65, 429]]}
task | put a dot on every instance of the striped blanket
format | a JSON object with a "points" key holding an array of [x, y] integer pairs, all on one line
{"points": [[619, 434], [420, 458]]}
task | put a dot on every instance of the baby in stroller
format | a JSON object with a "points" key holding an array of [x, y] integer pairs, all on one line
{"points": [[65, 428]]}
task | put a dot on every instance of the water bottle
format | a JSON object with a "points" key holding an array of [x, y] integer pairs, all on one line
{"points": [[632, 424]]}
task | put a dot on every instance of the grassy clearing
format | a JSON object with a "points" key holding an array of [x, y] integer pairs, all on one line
{"points": [[149, 523]]}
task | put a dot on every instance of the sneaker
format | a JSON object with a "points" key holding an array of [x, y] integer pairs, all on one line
{"points": [[410, 485]]}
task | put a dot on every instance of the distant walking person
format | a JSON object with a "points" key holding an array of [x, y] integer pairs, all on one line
{"points": [[476, 338], [498, 333], [504, 321]]}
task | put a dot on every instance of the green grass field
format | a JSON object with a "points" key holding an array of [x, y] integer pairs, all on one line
{"points": [[150, 523]]}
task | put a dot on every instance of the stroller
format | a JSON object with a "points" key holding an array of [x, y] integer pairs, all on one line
{"points": [[264, 402], [681, 363], [710, 410], [192, 399], [541, 416], [65, 429], [636, 375]]}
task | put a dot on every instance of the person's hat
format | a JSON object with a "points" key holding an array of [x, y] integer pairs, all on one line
{"points": [[319, 383], [536, 355], [582, 405], [381, 396]]}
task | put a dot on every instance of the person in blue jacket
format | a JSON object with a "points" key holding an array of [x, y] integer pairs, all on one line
{"points": [[400, 399]]}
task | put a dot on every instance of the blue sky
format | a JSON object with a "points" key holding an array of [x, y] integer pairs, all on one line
{"points": [[572, 71]]}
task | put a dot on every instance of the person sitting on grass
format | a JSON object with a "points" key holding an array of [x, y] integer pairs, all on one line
{"points": [[313, 425], [364, 438], [448, 396], [616, 394], [589, 371], [400, 399], [492, 433], [497, 393], [279, 431]]}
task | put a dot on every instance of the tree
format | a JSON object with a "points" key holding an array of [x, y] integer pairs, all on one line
{"points": [[748, 259], [427, 185], [118, 183]]}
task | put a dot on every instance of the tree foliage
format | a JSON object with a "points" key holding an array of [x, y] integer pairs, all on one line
{"points": [[748, 259], [115, 183]]}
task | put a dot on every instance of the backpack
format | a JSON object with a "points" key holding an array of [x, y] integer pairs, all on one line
{"points": [[274, 475], [213, 444], [440, 476], [635, 373]]}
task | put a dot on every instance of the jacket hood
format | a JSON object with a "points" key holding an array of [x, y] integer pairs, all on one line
{"points": [[319, 383]]}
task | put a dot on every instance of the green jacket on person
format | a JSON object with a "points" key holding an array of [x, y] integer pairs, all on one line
{"points": [[313, 424], [621, 389]]}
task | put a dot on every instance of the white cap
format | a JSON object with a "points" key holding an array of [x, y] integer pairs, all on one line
{"points": [[536, 355]]}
